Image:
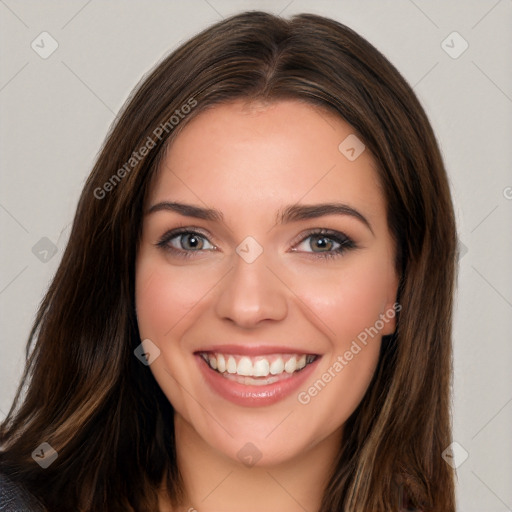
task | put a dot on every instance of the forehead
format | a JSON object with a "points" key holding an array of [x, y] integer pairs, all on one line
{"points": [[239, 156]]}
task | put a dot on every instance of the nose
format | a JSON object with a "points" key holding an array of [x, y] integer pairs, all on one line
{"points": [[251, 294]]}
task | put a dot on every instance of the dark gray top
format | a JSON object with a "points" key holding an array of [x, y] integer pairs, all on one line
{"points": [[15, 498]]}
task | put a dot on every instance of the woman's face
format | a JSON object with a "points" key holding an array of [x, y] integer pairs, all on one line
{"points": [[265, 278]]}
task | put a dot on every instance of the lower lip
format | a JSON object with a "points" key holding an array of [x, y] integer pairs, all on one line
{"points": [[254, 396]]}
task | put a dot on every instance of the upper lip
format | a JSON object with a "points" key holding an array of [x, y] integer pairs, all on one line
{"points": [[254, 350]]}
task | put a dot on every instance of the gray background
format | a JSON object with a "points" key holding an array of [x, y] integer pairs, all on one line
{"points": [[55, 113]]}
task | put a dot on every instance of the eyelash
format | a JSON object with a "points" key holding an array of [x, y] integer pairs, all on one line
{"points": [[345, 243]]}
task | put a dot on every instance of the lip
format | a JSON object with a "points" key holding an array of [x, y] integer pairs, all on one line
{"points": [[253, 396], [253, 350]]}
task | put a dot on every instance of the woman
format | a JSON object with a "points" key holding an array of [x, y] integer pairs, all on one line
{"points": [[253, 311]]}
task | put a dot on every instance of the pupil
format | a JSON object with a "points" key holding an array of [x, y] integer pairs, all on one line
{"points": [[191, 241], [322, 243]]}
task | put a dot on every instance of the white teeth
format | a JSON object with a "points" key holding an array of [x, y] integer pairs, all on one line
{"points": [[231, 365], [257, 366], [244, 367], [261, 368], [277, 366], [221, 363], [291, 365], [254, 381]]}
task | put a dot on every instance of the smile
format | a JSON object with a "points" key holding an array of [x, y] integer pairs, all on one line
{"points": [[244, 368], [255, 380]]}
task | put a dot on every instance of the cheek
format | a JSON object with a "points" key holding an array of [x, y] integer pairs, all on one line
{"points": [[160, 305], [167, 297], [350, 299], [348, 304]]}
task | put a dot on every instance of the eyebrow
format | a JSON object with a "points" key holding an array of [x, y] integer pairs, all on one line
{"points": [[188, 210], [297, 212], [293, 213]]}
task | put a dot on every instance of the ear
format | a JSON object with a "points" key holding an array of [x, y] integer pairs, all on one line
{"points": [[391, 308], [389, 318]]}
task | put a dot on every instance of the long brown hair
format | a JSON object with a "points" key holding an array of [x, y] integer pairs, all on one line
{"points": [[87, 395]]}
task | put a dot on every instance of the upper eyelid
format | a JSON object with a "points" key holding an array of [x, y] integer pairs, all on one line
{"points": [[323, 231], [171, 233]]}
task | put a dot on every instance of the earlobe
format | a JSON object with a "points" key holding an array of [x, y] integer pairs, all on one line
{"points": [[389, 322], [389, 317], [390, 313], [392, 307]]}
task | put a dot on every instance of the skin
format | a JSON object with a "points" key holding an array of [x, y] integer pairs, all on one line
{"points": [[250, 161]]}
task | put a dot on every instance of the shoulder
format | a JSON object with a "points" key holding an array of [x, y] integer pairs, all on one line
{"points": [[15, 498]]}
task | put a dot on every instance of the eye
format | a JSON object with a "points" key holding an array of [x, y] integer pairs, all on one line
{"points": [[325, 243], [185, 241]]}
